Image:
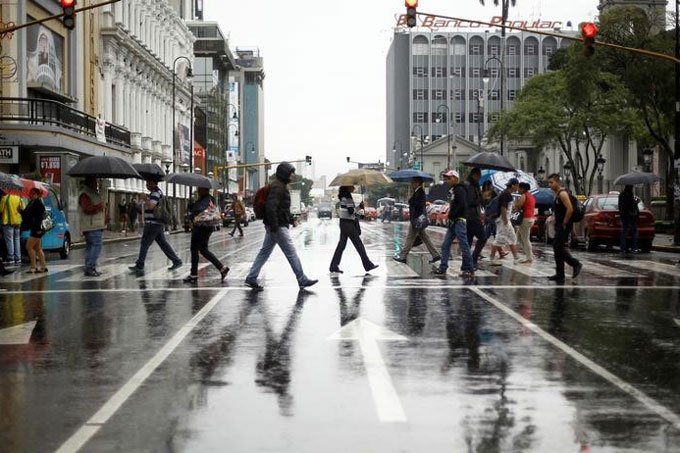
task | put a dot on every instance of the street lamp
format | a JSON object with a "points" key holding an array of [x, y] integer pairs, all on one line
{"points": [[541, 176], [567, 172], [448, 132], [486, 79], [401, 151], [422, 163], [167, 163], [600, 168], [188, 77], [647, 155]]}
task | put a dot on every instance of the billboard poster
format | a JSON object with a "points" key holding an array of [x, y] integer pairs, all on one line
{"points": [[50, 169], [233, 123], [184, 144], [45, 58]]}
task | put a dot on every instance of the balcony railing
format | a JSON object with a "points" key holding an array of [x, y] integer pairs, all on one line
{"points": [[48, 112]]}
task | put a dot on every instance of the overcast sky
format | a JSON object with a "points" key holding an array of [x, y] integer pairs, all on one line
{"points": [[325, 66]]}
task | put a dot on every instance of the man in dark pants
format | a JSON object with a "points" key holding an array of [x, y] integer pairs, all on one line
{"points": [[475, 229], [629, 212], [563, 210], [154, 231]]}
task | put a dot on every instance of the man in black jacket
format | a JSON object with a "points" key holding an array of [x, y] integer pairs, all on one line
{"points": [[629, 212], [475, 229], [456, 227], [277, 220], [416, 206]]}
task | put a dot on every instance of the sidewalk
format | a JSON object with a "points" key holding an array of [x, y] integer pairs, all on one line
{"points": [[664, 243], [112, 237]]}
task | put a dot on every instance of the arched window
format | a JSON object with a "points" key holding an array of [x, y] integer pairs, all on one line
{"points": [[439, 45], [421, 46]]}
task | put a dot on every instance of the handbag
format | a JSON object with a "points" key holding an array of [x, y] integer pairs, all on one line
{"points": [[209, 217], [46, 224], [516, 218], [420, 222]]}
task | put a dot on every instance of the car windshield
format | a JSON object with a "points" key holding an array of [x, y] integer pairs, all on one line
{"points": [[612, 204], [325, 207]]}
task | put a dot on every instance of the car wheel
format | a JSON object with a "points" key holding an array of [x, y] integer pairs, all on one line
{"points": [[591, 244], [65, 249], [646, 246]]}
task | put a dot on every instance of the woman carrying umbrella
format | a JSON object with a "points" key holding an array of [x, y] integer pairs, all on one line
{"points": [[349, 229], [417, 207], [32, 220], [200, 236]]}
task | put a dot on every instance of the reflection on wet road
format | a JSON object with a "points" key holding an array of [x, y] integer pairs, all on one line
{"points": [[394, 361]]}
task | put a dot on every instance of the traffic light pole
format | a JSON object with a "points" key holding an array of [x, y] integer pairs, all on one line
{"points": [[676, 194], [12, 29], [219, 168]]}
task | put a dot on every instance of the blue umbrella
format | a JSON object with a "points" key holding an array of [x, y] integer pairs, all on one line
{"points": [[408, 174], [544, 196]]}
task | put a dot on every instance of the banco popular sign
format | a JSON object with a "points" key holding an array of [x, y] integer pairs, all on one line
{"points": [[435, 24]]}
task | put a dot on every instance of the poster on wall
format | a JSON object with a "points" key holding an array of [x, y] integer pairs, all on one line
{"points": [[50, 169], [45, 58]]}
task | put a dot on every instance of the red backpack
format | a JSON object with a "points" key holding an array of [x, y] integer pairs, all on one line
{"points": [[260, 201]]}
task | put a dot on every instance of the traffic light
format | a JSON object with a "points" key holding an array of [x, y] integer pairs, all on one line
{"points": [[69, 9], [411, 13], [308, 160], [588, 31]]}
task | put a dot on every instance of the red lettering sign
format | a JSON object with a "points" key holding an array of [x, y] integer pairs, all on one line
{"points": [[50, 169], [434, 23]]}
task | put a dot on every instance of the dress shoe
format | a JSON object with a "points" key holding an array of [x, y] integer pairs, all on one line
{"points": [[435, 259], [308, 283], [373, 266], [557, 278], [254, 285], [224, 272], [335, 271], [174, 266], [190, 279], [401, 260], [93, 273], [577, 270], [136, 269]]}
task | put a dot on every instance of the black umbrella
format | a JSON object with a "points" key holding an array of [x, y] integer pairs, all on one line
{"points": [[150, 171], [104, 167], [192, 180], [489, 161], [634, 178]]}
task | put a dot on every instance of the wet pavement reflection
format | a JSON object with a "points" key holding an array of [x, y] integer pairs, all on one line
{"points": [[398, 360]]}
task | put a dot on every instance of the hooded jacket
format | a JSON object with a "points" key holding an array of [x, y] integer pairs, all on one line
{"points": [[277, 210]]}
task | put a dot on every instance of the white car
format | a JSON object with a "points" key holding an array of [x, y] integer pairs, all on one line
{"points": [[250, 214]]}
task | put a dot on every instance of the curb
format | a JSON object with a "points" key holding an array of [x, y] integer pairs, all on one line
{"points": [[666, 248], [81, 244]]}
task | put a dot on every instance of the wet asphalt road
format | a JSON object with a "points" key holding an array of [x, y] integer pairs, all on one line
{"points": [[398, 361]]}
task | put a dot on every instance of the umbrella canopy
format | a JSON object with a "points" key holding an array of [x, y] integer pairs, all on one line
{"points": [[500, 178], [360, 177], [544, 196], [408, 174], [634, 178], [192, 180], [490, 161], [150, 171], [9, 183], [104, 167]]}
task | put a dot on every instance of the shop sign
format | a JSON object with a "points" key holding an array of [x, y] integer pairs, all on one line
{"points": [[50, 169], [9, 154]]}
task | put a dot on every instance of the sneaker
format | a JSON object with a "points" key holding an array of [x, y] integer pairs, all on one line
{"points": [[190, 279], [136, 269], [495, 262], [557, 278], [399, 259], [373, 266], [435, 259], [224, 272], [577, 270], [254, 285], [439, 271], [335, 271], [467, 274], [92, 273], [307, 283], [174, 266]]}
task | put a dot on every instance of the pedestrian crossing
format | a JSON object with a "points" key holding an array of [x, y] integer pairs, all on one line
{"points": [[652, 266]]}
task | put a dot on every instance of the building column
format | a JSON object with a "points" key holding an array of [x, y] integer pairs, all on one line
{"points": [[108, 83]]}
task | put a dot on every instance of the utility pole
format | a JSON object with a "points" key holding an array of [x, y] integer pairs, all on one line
{"points": [[676, 191]]}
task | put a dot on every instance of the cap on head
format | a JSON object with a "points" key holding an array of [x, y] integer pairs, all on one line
{"points": [[451, 174], [512, 182]]}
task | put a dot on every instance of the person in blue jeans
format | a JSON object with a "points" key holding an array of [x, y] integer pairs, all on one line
{"points": [[277, 220], [93, 220], [457, 227], [154, 231]]}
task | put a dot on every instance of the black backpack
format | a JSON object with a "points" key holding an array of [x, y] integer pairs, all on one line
{"points": [[579, 210]]}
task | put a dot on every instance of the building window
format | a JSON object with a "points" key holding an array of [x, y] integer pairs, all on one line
{"points": [[493, 49], [419, 71], [474, 95], [475, 72], [439, 117], [420, 95], [530, 72], [494, 95], [493, 72], [513, 72], [458, 72], [439, 72], [548, 50], [460, 117], [458, 94], [475, 49], [512, 94], [438, 94], [530, 50], [512, 50], [476, 117], [419, 117], [459, 49], [493, 117]]}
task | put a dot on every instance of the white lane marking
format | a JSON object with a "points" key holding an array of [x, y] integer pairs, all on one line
{"points": [[602, 270], [108, 271], [385, 397], [651, 404], [90, 427], [165, 274], [652, 266], [22, 275], [397, 269], [454, 270], [19, 334], [530, 270]]}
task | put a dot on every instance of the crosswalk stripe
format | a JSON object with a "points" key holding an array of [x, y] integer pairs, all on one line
{"points": [[399, 270], [22, 275], [651, 266], [108, 271], [531, 270]]}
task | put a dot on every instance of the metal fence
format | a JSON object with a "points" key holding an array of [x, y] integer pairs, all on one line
{"points": [[48, 112]]}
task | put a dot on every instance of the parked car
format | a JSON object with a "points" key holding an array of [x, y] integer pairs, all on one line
{"points": [[401, 212], [58, 239], [370, 213], [601, 224], [325, 211], [250, 214]]}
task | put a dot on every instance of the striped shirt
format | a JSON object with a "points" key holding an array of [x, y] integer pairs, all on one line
{"points": [[347, 209], [154, 198]]}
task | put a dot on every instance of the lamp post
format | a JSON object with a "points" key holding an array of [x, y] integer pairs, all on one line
{"points": [[486, 78], [448, 132], [229, 124], [401, 151], [647, 155], [567, 173], [541, 176], [422, 163], [600, 168], [189, 76], [480, 120]]}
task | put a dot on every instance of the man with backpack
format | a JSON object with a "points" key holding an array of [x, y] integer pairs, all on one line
{"points": [[277, 218], [157, 214], [475, 229], [567, 211]]}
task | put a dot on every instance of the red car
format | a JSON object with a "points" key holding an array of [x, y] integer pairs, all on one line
{"points": [[370, 214], [602, 225]]}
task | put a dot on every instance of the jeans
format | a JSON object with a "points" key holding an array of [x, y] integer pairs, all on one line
{"points": [[475, 229], [490, 228], [562, 254], [410, 239], [459, 231], [93, 248], [237, 224], [349, 231], [155, 232], [200, 236], [629, 223], [283, 240], [524, 237], [12, 236]]}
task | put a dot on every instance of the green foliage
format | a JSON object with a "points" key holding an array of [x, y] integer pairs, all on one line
{"points": [[304, 185]]}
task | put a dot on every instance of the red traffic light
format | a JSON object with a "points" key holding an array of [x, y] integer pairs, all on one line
{"points": [[411, 3], [68, 3], [588, 30]]}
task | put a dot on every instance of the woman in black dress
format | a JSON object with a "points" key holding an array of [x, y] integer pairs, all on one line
{"points": [[33, 217]]}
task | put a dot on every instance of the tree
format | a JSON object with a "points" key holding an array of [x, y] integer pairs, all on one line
{"points": [[575, 108], [304, 185]]}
